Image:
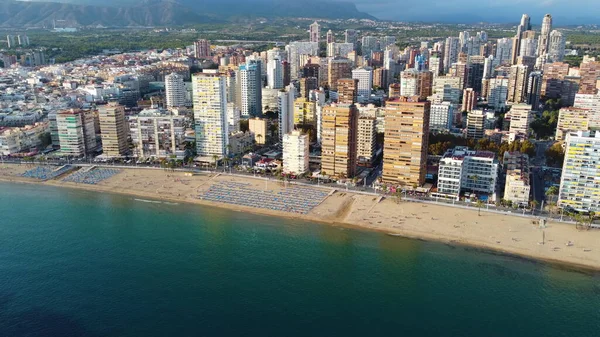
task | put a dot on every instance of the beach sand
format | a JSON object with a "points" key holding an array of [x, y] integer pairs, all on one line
{"points": [[503, 233]]}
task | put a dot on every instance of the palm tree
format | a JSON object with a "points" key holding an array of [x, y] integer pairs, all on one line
{"points": [[479, 205], [533, 204], [398, 196], [259, 137], [215, 158]]}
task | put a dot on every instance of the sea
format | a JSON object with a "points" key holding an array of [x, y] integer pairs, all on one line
{"points": [[78, 263]]}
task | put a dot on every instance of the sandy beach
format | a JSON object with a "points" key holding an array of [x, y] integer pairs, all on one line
{"points": [[503, 233]]}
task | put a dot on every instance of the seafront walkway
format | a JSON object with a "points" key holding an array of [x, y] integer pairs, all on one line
{"points": [[364, 191]]}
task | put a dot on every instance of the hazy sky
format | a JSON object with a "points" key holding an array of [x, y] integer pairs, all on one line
{"points": [[563, 11]]}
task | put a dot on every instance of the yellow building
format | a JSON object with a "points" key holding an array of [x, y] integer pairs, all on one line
{"points": [[305, 112], [338, 143], [571, 120], [258, 127], [406, 140]]}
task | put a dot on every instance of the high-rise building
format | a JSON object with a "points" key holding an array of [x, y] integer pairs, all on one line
{"points": [[406, 141], [157, 134], [498, 92], [469, 100], [10, 41], [475, 72], [394, 91], [366, 140], [556, 49], [369, 45], [521, 117], [210, 114], [113, 129], [380, 77], [416, 83], [251, 88], [233, 118], [201, 49], [476, 124], [534, 88], [339, 49], [285, 104], [314, 32], [528, 47], [298, 50], [504, 49], [295, 153], [339, 68], [347, 91], [545, 35], [571, 120], [451, 50], [441, 116], [175, 90], [579, 187], [435, 65], [553, 77], [590, 72], [460, 70], [338, 144], [517, 84], [364, 75], [76, 132], [350, 36], [275, 74], [330, 36], [307, 84], [305, 112], [592, 103]]}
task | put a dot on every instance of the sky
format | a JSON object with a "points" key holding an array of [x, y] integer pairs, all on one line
{"points": [[564, 12]]}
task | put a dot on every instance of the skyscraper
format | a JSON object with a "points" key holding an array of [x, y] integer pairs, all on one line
{"points": [[285, 104], [338, 144], [201, 49], [545, 35], [347, 91], [350, 36], [314, 32], [339, 68], [364, 75], [76, 132], [517, 84], [534, 88], [174, 90], [113, 128], [369, 45], [556, 50], [210, 114], [498, 91], [366, 140], [590, 72], [503, 51], [578, 187], [451, 52], [330, 37], [406, 141], [469, 100], [275, 74], [295, 153], [251, 88]]}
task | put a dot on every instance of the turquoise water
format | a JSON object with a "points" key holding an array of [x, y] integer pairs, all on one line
{"points": [[76, 263]]}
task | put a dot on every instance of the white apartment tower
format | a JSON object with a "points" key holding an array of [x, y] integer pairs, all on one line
{"points": [[314, 32], [210, 114], [251, 88], [295, 153], [174, 90], [364, 76], [275, 74]]}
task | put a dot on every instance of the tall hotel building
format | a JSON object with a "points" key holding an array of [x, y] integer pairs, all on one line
{"points": [[338, 143], [113, 128], [406, 141], [175, 90], [210, 114], [580, 181]]}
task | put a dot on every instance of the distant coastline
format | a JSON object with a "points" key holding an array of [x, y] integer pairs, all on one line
{"points": [[505, 234]]}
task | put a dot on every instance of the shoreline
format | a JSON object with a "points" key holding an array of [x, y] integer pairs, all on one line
{"points": [[347, 213]]}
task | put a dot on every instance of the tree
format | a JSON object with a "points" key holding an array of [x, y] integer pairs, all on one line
{"points": [[551, 192], [528, 148], [479, 205], [216, 159], [533, 204], [555, 155], [398, 196], [45, 140]]}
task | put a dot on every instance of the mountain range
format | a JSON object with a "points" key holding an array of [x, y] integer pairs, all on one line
{"points": [[129, 13]]}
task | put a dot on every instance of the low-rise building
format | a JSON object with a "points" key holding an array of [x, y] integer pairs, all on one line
{"points": [[441, 117], [463, 170], [240, 141], [23, 139], [258, 127], [517, 186]]}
